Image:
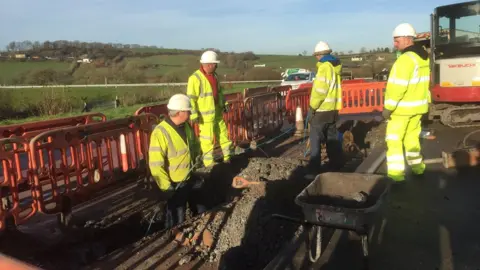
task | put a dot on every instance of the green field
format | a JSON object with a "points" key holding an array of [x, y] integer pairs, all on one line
{"points": [[20, 105], [31, 104], [10, 70], [167, 68]]}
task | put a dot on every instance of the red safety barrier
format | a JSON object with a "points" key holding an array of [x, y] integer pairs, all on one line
{"points": [[363, 97], [356, 98], [233, 96], [235, 121], [11, 263], [297, 98], [305, 85], [281, 89], [66, 181], [31, 129], [250, 92], [353, 81], [263, 115], [15, 204], [159, 110]]}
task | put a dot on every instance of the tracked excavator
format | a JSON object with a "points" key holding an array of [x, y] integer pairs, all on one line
{"points": [[454, 47]]}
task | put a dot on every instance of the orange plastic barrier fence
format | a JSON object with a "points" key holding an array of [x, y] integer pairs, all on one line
{"points": [[250, 92], [356, 98], [263, 115], [283, 91], [15, 204], [11, 263], [233, 96], [363, 97], [353, 81], [297, 98], [159, 110], [111, 156], [235, 121], [232, 118], [31, 129]]}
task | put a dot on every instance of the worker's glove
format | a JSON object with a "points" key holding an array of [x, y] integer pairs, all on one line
{"points": [[386, 114], [197, 182], [311, 114]]}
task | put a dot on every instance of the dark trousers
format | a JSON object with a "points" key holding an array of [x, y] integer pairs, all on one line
{"points": [[324, 132], [177, 204]]}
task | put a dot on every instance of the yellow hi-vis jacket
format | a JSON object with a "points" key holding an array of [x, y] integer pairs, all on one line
{"points": [[200, 93], [407, 91], [171, 159], [326, 92]]}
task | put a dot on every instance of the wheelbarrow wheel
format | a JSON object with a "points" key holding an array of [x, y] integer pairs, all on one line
{"points": [[316, 239]]}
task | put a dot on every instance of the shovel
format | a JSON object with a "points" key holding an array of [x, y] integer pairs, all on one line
{"points": [[240, 182]]}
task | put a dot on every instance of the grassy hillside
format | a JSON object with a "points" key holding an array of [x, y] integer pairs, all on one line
{"points": [[17, 104], [166, 68]]}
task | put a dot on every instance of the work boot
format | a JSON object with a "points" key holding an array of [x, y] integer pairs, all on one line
{"points": [[180, 215], [168, 219]]}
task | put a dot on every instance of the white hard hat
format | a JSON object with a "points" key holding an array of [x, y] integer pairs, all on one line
{"points": [[404, 30], [322, 47], [179, 102], [209, 57]]}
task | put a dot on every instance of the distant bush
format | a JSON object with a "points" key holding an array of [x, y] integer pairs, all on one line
{"points": [[6, 101], [262, 74]]}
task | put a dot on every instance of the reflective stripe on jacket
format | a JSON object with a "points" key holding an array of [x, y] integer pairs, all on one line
{"points": [[407, 91], [200, 93], [169, 157], [326, 92]]}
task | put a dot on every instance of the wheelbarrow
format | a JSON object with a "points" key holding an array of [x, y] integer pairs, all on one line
{"points": [[347, 201]]}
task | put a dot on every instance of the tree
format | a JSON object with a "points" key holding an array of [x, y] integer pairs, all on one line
{"points": [[363, 50], [11, 46], [231, 61]]}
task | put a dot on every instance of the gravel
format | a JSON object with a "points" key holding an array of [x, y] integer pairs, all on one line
{"points": [[244, 235]]}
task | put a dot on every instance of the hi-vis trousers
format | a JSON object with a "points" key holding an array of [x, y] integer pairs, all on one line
{"points": [[402, 135], [208, 132]]}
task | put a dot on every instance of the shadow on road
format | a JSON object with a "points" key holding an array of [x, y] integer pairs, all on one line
{"points": [[429, 222]]}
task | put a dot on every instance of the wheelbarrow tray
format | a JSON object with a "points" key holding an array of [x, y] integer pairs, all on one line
{"points": [[329, 200]]}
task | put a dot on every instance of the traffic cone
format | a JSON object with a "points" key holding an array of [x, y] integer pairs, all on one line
{"points": [[299, 124], [123, 152]]}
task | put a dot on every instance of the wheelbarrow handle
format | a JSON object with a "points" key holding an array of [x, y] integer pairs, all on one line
{"points": [[292, 219]]}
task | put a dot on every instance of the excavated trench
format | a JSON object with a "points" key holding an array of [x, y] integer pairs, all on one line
{"points": [[237, 232]]}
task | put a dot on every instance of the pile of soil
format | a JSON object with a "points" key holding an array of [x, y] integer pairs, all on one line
{"points": [[376, 137], [245, 236]]}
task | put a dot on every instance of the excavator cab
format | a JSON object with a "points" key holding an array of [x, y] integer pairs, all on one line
{"points": [[455, 64]]}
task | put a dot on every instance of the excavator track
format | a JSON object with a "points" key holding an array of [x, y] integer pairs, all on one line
{"points": [[461, 117]]}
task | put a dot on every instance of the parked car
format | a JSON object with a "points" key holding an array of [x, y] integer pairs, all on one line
{"points": [[296, 79]]}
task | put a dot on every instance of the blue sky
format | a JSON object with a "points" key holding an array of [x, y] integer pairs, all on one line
{"points": [[262, 26]]}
